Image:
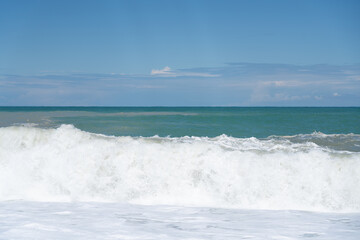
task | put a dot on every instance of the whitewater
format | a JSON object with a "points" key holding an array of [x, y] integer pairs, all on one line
{"points": [[64, 182]]}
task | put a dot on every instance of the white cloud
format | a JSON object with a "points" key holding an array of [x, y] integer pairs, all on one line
{"points": [[143, 86], [167, 72], [263, 96], [290, 83], [336, 94]]}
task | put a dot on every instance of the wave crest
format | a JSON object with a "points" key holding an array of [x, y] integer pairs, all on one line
{"points": [[67, 164]]}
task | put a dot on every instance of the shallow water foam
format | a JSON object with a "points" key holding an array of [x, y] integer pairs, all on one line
{"points": [[67, 164]]}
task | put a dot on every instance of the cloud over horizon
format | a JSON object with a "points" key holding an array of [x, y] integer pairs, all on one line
{"points": [[234, 84], [168, 72]]}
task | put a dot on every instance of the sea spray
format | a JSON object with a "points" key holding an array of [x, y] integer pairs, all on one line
{"points": [[67, 164]]}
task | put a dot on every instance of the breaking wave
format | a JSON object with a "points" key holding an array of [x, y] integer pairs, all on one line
{"points": [[315, 172]]}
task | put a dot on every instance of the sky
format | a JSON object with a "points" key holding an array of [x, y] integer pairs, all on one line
{"points": [[180, 53]]}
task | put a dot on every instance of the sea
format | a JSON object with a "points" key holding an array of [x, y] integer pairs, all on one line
{"points": [[180, 173]]}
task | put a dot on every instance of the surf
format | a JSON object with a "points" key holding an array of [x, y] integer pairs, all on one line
{"points": [[66, 164]]}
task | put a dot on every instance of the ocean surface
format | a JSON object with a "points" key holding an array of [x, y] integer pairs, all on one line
{"points": [[179, 173]]}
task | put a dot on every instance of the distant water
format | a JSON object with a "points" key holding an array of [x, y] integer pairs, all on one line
{"points": [[260, 162], [197, 121]]}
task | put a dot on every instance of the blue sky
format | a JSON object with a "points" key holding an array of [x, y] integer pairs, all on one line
{"points": [[180, 53]]}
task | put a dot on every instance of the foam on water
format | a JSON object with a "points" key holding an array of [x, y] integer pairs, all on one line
{"points": [[93, 220], [67, 164]]}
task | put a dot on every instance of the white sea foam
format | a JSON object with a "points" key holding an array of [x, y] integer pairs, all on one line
{"points": [[67, 164], [24, 220]]}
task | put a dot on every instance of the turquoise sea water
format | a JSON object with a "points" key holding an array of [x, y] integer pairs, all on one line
{"points": [[190, 121]]}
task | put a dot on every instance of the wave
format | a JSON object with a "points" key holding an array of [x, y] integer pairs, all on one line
{"points": [[67, 164], [344, 142]]}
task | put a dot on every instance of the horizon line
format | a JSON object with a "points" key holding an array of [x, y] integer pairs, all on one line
{"points": [[179, 106]]}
